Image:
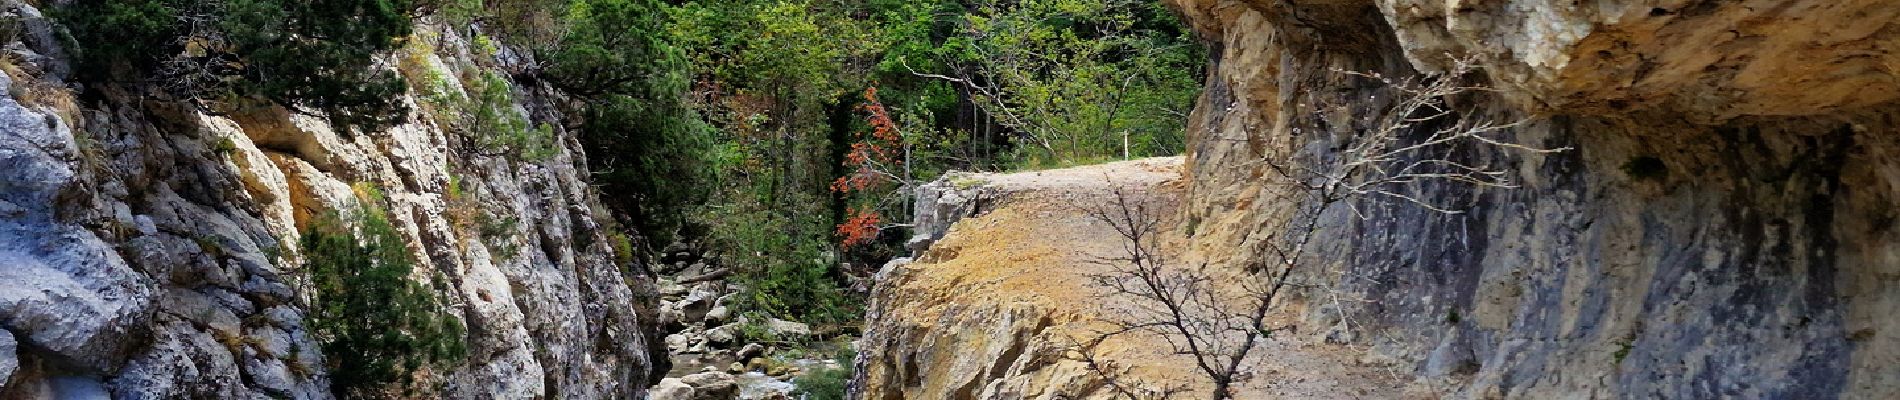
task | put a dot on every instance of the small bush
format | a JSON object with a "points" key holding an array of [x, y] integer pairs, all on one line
{"points": [[486, 115], [624, 252], [499, 234], [377, 327], [826, 384], [490, 116]]}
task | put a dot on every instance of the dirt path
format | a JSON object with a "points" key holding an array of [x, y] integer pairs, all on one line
{"points": [[1034, 252]]}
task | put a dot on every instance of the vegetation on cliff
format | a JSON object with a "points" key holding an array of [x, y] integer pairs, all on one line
{"points": [[308, 55], [378, 327]]}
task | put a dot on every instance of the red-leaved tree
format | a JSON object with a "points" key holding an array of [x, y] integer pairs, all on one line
{"points": [[878, 173]]}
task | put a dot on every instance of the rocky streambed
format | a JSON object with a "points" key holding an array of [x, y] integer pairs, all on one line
{"points": [[714, 351]]}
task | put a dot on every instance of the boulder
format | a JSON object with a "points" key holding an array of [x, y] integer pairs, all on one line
{"points": [[9, 361], [712, 385], [677, 343], [697, 302], [670, 315], [782, 328], [671, 289], [750, 351], [671, 389], [718, 314], [698, 347], [723, 334]]}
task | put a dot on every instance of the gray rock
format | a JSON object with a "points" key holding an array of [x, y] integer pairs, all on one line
{"points": [[88, 319], [723, 334], [157, 200], [670, 314], [671, 389], [202, 309], [41, 35], [670, 288], [273, 342], [78, 388], [718, 314], [697, 302], [712, 385], [942, 203], [270, 375], [782, 328], [9, 359], [1452, 356], [750, 351], [183, 362], [63, 288], [677, 343]]}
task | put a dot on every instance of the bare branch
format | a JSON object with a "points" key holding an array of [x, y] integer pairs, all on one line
{"points": [[1404, 144]]}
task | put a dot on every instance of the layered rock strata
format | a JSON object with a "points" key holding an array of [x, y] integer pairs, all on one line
{"points": [[149, 250]]}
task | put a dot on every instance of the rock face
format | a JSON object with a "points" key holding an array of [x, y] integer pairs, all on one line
{"points": [[940, 204], [987, 312], [150, 250], [1722, 226]]}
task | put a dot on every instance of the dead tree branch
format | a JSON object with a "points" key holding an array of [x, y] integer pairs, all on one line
{"points": [[1385, 156]]}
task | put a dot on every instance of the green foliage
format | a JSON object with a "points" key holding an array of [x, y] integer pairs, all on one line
{"points": [[482, 109], [488, 114], [376, 325], [778, 81], [650, 155], [612, 46], [1079, 80], [499, 234], [308, 55], [829, 383], [645, 145], [785, 262], [624, 252], [224, 146]]}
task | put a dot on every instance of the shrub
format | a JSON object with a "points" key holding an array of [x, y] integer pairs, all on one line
{"points": [[785, 262], [647, 148], [650, 155], [486, 116], [489, 116], [611, 46], [309, 55], [826, 384], [377, 326]]}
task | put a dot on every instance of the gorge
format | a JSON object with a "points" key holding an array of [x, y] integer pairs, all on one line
{"points": [[1715, 218]]}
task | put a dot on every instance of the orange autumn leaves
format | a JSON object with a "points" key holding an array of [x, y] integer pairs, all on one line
{"points": [[874, 151]]}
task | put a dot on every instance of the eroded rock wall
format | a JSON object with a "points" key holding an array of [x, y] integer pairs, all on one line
{"points": [[1721, 227], [149, 250]]}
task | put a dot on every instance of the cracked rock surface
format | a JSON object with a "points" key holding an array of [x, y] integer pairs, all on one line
{"points": [[150, 250]]}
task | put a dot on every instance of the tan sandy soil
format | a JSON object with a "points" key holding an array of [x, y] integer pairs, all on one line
{"points": [[1036, 249]]}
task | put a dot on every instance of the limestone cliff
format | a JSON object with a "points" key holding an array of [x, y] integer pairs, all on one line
{"points": [[148, 250], [1721, 227]]}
